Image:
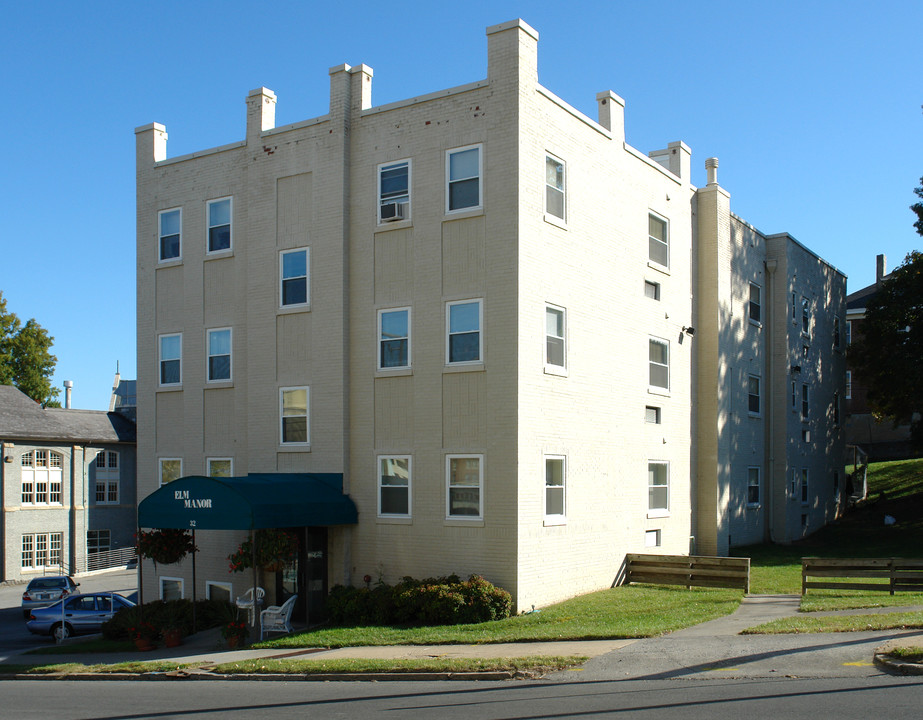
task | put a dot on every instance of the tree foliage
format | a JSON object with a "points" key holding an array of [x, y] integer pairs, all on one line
{"points": [[887, 356], [25, 356], [918, 208]]}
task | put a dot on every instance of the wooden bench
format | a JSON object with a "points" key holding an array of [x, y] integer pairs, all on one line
{"points": [[689, 570], [860, 573]]}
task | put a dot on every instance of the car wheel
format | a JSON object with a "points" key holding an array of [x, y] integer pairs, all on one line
{"points": [[61, 632], [26, 614]]}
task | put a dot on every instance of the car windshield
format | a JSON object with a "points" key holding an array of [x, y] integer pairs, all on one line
{"points": [[47, 583]]}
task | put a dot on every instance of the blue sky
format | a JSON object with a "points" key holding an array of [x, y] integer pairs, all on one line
{"points": [[813, 109]]}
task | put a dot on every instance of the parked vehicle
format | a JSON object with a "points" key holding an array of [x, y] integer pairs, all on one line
{"points": [[82, 614], [42, 591]]}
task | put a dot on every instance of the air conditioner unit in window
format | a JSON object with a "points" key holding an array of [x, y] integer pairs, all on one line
{"points": [[393, 211]]}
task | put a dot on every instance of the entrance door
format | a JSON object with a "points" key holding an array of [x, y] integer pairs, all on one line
{"points": [[306, 576]]}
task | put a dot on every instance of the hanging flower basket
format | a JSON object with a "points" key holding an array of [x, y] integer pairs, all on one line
{"points": [[166, 546], [273, 549]]}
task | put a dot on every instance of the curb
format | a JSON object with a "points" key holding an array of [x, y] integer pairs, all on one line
{"points": [[889, 664], [270, 677]]}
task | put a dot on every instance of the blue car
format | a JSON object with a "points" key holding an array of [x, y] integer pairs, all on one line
{"points": [[81, 614]]}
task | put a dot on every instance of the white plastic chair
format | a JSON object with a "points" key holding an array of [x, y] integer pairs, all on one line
{"points": [[277, 618], [245, 601]]}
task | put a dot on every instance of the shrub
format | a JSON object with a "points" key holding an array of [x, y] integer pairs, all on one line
{"points": [[170, 614], [431, 601]]}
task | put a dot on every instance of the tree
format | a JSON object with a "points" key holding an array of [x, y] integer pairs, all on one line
{"points": [[918, 208], [25, 357]]}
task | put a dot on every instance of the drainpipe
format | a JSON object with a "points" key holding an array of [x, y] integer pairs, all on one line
{"points": [[770, 404]]}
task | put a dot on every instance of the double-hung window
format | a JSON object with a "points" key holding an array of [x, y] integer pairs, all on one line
{"points": [[219, 355], [171, 353], [849, 384], [170, 242], [107, 477], [753, 394], [756, 297], [658, 486], [220, 467], [394, 486], [555, 467], [658, 241], [464, 483], [41, 478], [170, 469], [804, 486], [219, 225], [805, 316], [40, 550], [393, 338], [555, 356], [394, 191], [753, 486], [836, 333], [554, 187], [295, 429], [98, 541], [463, 178], [805, 404], [293, 277], [659, 363], [464, 339]]}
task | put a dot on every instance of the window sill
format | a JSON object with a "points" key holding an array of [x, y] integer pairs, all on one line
{"points": [[292, 447], [554, 521], [217, 384], [461, 522], [393, 372], [219, 254], [756, 323], [754, 506], [395, 225], [293, 309], [463, 213], [659, 268], [755, 416], [169, 388], [172, 262], [556, 221], [651, 514], [662, 392], [556, 370], [464, 367], [393, 520]]}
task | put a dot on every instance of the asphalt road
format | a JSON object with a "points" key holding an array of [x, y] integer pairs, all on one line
{"points": [[780, 699], [13, 633]]}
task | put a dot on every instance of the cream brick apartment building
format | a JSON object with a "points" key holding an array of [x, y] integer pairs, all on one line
{"points": [[526, 347]]}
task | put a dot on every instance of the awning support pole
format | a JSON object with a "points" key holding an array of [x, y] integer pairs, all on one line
{"points": [[253, 562], [140, 576], [194, 626]]}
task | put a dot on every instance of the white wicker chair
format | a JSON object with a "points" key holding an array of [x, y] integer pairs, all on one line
{"points": [[245, 601], [277, 618]]}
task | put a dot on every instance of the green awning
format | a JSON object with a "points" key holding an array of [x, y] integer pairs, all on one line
{"points": [[264, 500]]}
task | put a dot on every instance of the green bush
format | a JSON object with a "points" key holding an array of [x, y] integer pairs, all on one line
{"points": [[431, 601], [170, 614]]}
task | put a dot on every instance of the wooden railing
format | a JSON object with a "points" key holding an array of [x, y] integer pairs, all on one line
{"points": [[689, 570], [900, 573]]}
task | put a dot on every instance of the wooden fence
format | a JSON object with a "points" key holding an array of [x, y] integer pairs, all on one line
{"points": [[900, 573], [689, 570]]}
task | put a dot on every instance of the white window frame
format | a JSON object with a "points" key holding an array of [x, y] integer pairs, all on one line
{"points": [[46, 546], [552, 367], [160, 236], [208, 466], [758, 304], [448, 331], [554, 189], [750, 395], [41, 477], [381, 459], [307, 417], [849, 384], [657, 413], [381, 340], [400, 199], [805, 402], [556, 518], [306, 276], [107, 477], [653, 538], [805, 316], [658, 389], [160, 463], [751, 471], [208, 225], [449, 210], [161, 360], [836, 333], [654, 293], [658, 511], [849, 332], [450, 487], [805, 487], [665, 242], [209, 584], [166, 578], [208, 354]]}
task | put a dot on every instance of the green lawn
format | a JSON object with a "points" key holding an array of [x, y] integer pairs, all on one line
{"points": [[840, 623]]}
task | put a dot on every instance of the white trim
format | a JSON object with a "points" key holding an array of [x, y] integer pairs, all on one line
{"points": [[210, 460], [161, 360], [658, 389], [409, 459], [550, 216], [448, 465], [182, 585], [307, 278], [551, 368], [208, 226], [299, 444], [759, 395], [161, 461], [666, 241], [759, 486], [480, 176], [379, 339], [451, 303], [555, 518], [408, 202], [208, 356], [209, 584], [160, 236], [658, 511]]}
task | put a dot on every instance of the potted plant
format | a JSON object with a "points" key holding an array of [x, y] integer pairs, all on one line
{"points": [[143, 635], [173, 626], [165, 546], [273, 549], [235, 632]]}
